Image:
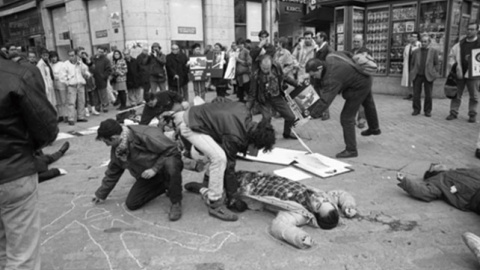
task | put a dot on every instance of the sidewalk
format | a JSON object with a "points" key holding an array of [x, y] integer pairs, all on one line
{"points": [[392, 230]]}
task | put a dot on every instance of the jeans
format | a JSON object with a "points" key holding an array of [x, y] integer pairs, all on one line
{"points": [[360, 95], [20, 224], [183, 91], [417, 93], [215, 154], [156, 86], [280, 105], [102, 101], [135, 96], [199, 89], [76, 96], [169, 178], [61, 97], [472, 87]]}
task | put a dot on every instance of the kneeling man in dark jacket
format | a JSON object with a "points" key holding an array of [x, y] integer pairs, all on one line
{"points": [[152, 159]]}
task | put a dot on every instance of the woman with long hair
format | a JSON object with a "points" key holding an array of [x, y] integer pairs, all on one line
{"points": [[119, 78]]}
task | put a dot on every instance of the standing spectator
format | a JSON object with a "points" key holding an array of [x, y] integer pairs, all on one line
{"points": [[47, 74], [156, 62], [73, 75], [220, 84], [27, 123], [263, 48], [243, 70], [321, 52], [267, 91], [144, 72], [425, 69], [284, 58], [359, 48], [101, 72], [407, 60], [91, 96], [60, 88], [177, 72], [198, 85], [461, 56], [339, 74], [248, 44], [135, 95], [32, 57], [304, 52], [119, 78]]}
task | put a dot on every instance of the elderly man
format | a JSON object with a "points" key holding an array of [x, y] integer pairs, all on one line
{"points": [[152, 159], [294, 203], [462, 57], [102, 69], [267, 91], [177, 72], [28, 122], [135, 92], [425, 69], [339, 74], [304, 52]]}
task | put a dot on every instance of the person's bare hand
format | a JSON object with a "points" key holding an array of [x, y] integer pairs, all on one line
{"points": [[147, 174]]}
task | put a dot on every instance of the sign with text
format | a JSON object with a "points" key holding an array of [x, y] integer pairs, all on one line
{"points": [[475, 64], [101, 34], [293, 9], [115, 19], [187, 30]]}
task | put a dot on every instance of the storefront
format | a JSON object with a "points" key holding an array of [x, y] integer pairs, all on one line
{"points": [[21, 24], [386, 26], [187, 29], [290, 12]]}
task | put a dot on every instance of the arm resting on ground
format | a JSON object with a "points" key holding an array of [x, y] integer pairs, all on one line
{"points": [[284, 227]]}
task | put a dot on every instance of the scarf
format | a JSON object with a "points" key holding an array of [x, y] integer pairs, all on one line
{"points": [[122, 149]]}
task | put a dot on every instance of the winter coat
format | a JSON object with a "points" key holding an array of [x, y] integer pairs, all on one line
{"points": [[156, 67], [28, 121], [177, 65], [133, 74], [406, 80], [102, 69], [74, 74]]}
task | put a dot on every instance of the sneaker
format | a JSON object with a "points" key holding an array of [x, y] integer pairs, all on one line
{"points": [[64, 148], [87, 113], [94, 111], [451, 117], [473, 243], [175, 212], [369, 132], [194, 187], [347, 154], [472, 119], [221, 212]]}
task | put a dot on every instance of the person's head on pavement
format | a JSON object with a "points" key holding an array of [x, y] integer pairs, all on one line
{"points": [[435, 168], [109, 132], [262, 136], [315, 68], [325, 212]]}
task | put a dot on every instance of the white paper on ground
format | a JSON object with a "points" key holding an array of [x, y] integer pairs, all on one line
{"points": [[280, 156], [92, 130], [292, 174], [63, 135]]}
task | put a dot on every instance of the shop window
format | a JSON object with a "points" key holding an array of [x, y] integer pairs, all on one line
{"points": [[240, 19], [377, 38], [403, 24]]}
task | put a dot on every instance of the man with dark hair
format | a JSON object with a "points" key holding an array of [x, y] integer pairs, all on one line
{"points": [[158, 103], [28, 122], [304, 52], [32, 57], [144, 72], [156, 62], [322, 49], [102, 68], [220, 131], [267, 91], [462, 58], [263, 48], [339, 74], [152, 159], [294, 203]]}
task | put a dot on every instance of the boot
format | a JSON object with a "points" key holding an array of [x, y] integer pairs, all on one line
{"points": [[122, 96]]}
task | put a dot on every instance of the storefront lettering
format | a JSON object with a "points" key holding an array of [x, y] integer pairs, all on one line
{"points": [[293, 9], [101, 34], [187, 30], [296, 1]]}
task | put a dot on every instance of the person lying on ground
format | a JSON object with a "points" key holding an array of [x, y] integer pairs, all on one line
{"points": [[458, 187], [295, 204], [43, 160]]}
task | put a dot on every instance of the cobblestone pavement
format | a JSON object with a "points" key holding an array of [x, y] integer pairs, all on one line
{"points": [[392, 230]]}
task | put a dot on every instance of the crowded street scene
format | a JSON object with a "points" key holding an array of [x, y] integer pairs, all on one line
{"points": [[239, 134]]}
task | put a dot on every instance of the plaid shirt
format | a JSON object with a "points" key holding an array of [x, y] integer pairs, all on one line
{"points": [[278, 187]]}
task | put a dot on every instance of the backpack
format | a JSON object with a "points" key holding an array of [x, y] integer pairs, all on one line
{"points": [[366, 61]]}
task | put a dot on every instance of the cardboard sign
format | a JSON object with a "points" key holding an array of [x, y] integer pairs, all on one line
{"points": [[301, 100], [474, 68], [215, 63], [198, 67]]}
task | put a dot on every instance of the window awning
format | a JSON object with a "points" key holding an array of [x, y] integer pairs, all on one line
{"points": [[317, 15]]}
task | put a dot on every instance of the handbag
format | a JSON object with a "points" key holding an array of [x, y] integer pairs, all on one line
{"points": [[450, 87]]}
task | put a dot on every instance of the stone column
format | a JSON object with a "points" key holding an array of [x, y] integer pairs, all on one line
{"points": [[219, 22]]}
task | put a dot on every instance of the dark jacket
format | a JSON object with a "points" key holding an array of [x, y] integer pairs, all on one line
{"points": [[133, 74], [156, 67], [177, 65], [143, 69], [322, 53], [228, 124], [340, 75], [257, 90], [148, 148], [432, 64], [28, 121], [102, 69], [465, 181]]}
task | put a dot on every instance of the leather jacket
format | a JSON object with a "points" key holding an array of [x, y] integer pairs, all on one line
{"points": [[28, 121]]}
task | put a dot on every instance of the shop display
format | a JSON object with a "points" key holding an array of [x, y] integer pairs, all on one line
{"points": [[358, 21], [377, 36], [403, 24], [339, 26], [432, 22]]}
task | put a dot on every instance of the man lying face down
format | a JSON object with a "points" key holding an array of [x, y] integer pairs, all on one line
{"points": [[295, 204]]}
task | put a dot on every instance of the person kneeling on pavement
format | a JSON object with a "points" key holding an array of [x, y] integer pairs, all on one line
{"points": [[219, 131], [152, 159], [339, 74], [458, 187], [295, 204]]}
